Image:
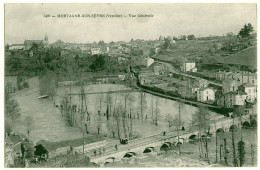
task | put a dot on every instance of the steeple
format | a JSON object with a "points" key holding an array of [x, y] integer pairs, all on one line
{"points": [[46, 39]]}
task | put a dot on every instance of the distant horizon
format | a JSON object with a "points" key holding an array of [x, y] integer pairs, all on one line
{"points": [[27, 21], [113, 41]]}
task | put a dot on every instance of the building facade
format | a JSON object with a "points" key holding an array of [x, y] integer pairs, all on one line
{"points": [[188, 67], [229, 85], [229, 100], [206, 95]]}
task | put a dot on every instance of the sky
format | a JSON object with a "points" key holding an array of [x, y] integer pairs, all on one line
{"points": [[27, 21]]}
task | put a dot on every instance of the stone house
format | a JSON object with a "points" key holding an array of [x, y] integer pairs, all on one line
{"points": [[189, 67], [229, 100], [250, 90], [229, 85], [206, 95]]}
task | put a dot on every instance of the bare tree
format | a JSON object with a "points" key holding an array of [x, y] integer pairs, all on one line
{"points": [[157, 111], [201, 121], [143, 105], [28, 123]]}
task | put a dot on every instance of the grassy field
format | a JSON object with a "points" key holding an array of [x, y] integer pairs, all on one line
{"points": [[247, 57]]}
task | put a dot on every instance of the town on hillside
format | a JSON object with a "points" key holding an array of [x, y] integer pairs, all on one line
{"points": [[174, 101]]}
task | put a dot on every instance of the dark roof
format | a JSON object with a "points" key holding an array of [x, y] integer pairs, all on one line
{"points": [[32, 41], [237, 92], [205, 88], [51, 146]]}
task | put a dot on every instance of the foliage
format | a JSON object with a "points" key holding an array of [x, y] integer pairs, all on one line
{"points": [[201, 119], [246, 30], [98, 63], [137, 52], [191, 37], [12, 109], [28, 149], [47, 84], [8, 126], [241, 152]]}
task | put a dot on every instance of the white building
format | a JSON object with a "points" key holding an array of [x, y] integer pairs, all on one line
{"points": [[188, 67], [95, 51], [250, 90], [16, 47], [205, 94], [149, 61]]}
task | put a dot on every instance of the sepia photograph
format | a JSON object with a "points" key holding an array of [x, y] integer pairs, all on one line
{"points": [[130, 85]]}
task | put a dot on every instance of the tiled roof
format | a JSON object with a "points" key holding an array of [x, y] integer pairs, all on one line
{"points": [[32, 41], [51, 146]]}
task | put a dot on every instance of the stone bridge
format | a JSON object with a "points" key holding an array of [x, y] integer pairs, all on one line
{"points": [[138, 147]]}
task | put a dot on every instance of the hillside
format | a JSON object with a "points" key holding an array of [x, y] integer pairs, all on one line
{"points": [[247, 57]]}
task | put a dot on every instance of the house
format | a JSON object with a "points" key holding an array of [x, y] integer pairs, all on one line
{"points": [[16, 47], [221, 75], [188, 67], [28, 43], [149, 61], [247, 77], [50, 149], [229, 85], [40, 43], [231, 99], [95, 51], [144, 76], [244, 77], [250, 91], [156, 50], [206, 95], [12, 148], [157, 70]]}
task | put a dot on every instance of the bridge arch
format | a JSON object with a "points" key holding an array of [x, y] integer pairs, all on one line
{"points": [[165, 146], [149, 150], [192, 138], [109, 160], [129, 155], [220, 130], [246, 124], [95, 164], [233, 127]]}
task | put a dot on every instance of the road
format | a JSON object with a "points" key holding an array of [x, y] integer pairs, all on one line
{"points": [[173, 70]]}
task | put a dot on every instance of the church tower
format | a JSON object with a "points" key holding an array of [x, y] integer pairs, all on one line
{"points": [[46, 41]]}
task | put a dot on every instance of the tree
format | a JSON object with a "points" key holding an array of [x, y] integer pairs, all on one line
{"points": [[191, 37], [8, 126], [241, 152], [28, 123], [12, 109], [7, 47], [143, 105], [201, 121], [167, 43], [177, 124], [235, 163], [28, 149], [157, 111], [246, 30]]}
